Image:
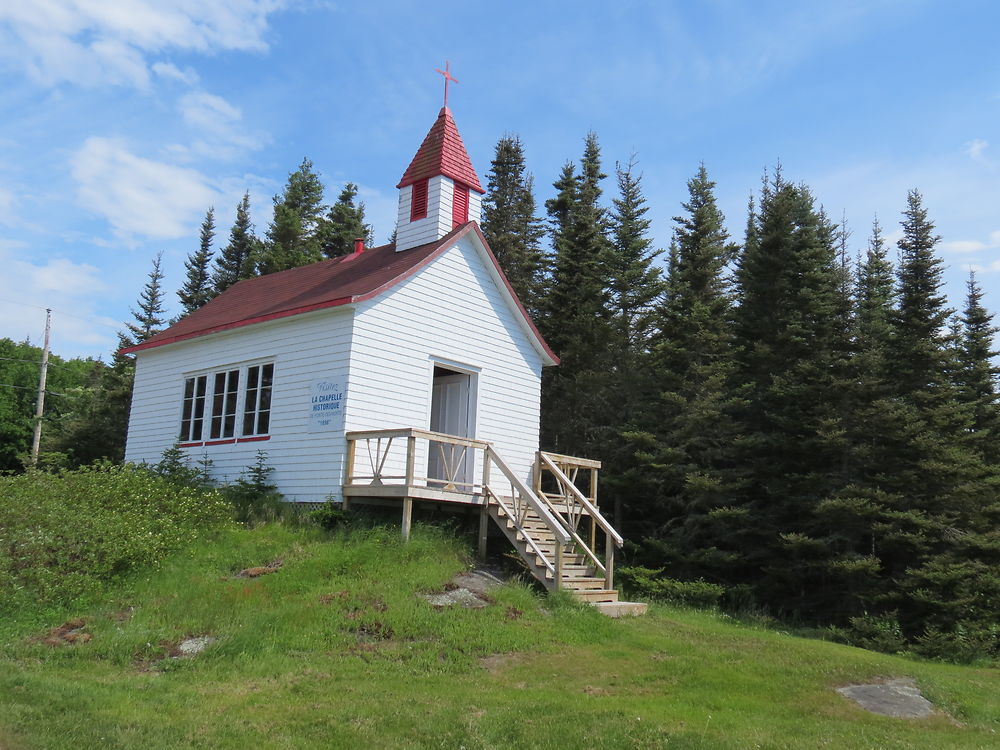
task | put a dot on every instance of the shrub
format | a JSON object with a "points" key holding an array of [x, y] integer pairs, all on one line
{"points": [[329, 516], [255, 499], [62, 534], [875, 632], [652, 584]]}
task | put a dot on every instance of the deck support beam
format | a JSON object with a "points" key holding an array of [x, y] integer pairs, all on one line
{"points": [[407, 517], [484, 525]]}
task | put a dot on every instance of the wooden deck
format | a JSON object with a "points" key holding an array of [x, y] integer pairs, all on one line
{"points": [[555, 525]]}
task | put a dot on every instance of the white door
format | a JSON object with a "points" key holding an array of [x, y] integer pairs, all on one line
{"points": [[450, 465]]}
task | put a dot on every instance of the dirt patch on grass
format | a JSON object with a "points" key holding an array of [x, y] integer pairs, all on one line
{"points": [[71, 632], [468, 590], [261, 570], [498, 662]]}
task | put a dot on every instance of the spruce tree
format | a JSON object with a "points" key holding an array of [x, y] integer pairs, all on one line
{"points": [[791, 365], [197, 289], [690, 429], [575, 401], [292, 235], [635, 283], [977, 373], [236, 261], [343, 223], [511, 225], [148, 318]]}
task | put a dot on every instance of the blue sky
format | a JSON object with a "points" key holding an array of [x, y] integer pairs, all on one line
{"points": [[122, 121]]}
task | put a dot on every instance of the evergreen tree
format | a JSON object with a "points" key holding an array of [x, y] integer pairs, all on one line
{"points": [[691, 431], [197, 289], [292, 237], [343, 223], [148, 317], [791, 366], [977, 373], [575, 402], [511, 225], [635, 283], [236, 261]]}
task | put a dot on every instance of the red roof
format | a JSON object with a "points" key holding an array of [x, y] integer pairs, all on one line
{"points": [[329, 283], [442, 152]]}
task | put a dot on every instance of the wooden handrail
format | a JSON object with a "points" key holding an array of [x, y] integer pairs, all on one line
{"points": [[407, 432], [582, 499], [539, 507], [583, 463]]}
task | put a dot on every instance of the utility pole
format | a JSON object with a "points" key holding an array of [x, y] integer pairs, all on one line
{"points": [[40, 404]]}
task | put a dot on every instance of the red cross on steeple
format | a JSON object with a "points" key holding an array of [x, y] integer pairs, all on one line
{"points": [[447, 77]]}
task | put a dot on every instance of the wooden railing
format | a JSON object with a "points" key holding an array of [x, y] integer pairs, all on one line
{"points": [[417, 463], [402, 458], [556, 478]]}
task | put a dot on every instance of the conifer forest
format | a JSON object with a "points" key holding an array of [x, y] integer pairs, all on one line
{"points": [[794, 418]]}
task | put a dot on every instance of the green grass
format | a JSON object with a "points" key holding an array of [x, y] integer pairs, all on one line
{"points": [[336, 650]]}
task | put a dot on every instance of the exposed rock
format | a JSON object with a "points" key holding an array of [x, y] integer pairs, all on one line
{"points": [[467, 590], [900, 698], [192, 646]]}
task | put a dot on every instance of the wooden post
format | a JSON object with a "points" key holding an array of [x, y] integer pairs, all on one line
{"points": [[593, 499], [407, 517], [559, 563], [352, 448], [484, 521], [609, 563], [411, 459]]}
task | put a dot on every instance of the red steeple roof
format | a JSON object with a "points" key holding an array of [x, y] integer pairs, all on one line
{"points": [[442, 152]]}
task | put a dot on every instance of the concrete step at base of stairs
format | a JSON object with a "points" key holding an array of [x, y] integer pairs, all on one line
{"points": [[621, 609], [596, 595]]}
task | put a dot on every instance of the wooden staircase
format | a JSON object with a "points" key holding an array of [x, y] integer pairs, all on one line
{"points": [[544, 527]]}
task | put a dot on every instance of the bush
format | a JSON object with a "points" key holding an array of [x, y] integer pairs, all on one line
{"points": [[875, 632], [63, 534], [329, 516], [254, 498], [650, 583]]}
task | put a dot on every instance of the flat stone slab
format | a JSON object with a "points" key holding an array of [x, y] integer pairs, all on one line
{"points": [[193, 646], [622, 609], [899, 698], [467, 590]]}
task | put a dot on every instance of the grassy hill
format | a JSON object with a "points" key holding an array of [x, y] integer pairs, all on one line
{"points": [[335, 649]]}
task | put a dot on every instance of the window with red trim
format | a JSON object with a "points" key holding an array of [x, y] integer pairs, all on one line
{"points": [[418, 201], [460, 206], [214, 401]]}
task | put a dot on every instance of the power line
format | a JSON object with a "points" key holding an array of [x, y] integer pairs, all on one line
{"points": [[89, 319], [31, 388]]}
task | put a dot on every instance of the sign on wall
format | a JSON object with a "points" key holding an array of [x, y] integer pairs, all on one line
{"points": [[326, 405]]}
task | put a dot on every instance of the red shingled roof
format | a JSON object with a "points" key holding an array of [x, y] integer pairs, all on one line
{"points": [[329, 283], [442, 152]]}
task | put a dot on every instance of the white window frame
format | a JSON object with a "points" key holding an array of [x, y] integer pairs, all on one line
{"points": [[210, 418]]}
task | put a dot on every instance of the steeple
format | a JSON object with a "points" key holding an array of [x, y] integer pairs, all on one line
{"points": [[440, 189]]}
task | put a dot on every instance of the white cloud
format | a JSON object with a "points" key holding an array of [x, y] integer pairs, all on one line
{"points": [[71, 289], [974, 246], [109, 41], [976, 147], [218, 125], [139, 196], [172, 72]]}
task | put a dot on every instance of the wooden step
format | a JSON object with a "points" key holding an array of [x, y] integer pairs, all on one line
{"points": [[584, 584]]}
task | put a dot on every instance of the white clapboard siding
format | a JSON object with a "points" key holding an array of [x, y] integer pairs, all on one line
{"points": [[437, 223], [304, 348], [452, 312]]}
